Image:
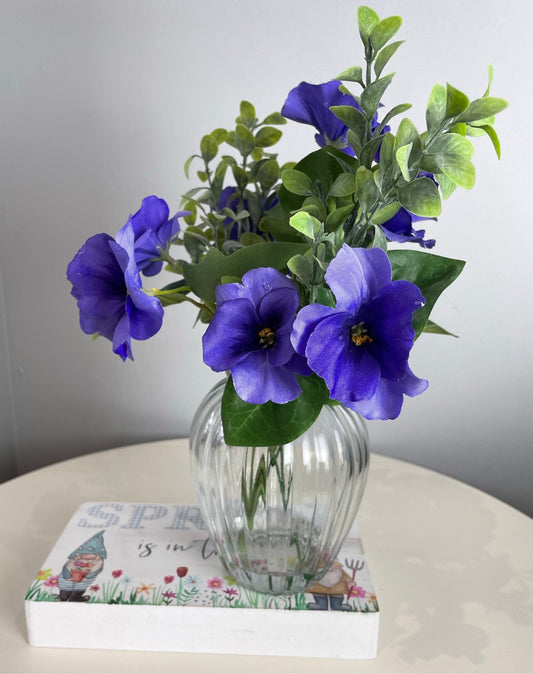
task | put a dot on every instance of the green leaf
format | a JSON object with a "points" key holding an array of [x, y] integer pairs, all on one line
{"points": [[386, 213], [421, 197], [456, 101], [343, 186], [306, 224], [250, 239], [447, 186], [435, 329], [208, 148], [354, 74], [268, 173], [452, 153], [372, 95], [302, 267], [219, 135], [384, 30], [436, 108], [385, 55], [325, 296], [267, 136], [379, 240], [367, 190], [271, 424], [402, 157], [396, 110], [431, 273], [366, 19], [297, 182], [275, 118], [338, 217], [368, 151], [240, 175], [203, 277], [188, 164], [247, 114], [482, 108], [244, 140], [491, 133]]}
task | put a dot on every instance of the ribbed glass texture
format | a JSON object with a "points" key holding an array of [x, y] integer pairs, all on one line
{"points": [[278, 515]]}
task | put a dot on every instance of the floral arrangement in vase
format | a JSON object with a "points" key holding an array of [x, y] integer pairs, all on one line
{"points": [[289, 265]]}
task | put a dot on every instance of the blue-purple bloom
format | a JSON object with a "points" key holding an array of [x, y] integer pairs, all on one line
{"points": [[310, 104], [400, 229], [250, 336], [107, 286], [153, 232], [361, 347]]}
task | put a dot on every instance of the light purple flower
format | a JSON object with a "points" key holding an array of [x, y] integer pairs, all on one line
{"points": [[250, 336], [361, 347], [107, 286]]}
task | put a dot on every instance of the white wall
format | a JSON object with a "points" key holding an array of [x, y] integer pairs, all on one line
{"points": [[101, 103]]}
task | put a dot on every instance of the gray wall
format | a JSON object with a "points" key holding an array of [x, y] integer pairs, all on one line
{"points": [[101, 103]]}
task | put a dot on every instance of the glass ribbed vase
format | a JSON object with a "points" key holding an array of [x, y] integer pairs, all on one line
{"points": [[278, 515]]}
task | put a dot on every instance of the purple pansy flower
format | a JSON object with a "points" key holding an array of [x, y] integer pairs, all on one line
{"points": [[400, 229], [107, 286], [250, 336], [360, 347], [310, 103], [153, 232]]}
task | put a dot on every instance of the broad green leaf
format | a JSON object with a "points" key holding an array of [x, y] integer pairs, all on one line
{"points": [[366, 19], [267, 136], [379, 240], [421, 197], [302, 267], [244, 140], [385, 55], [407, 134], [482, 108], [325, 296], [386, 213], [219, 135], [456, 101], [203, 277], [402, 157], [271, 424], [431, 273], [268, 173], [343, 186], [384, 30], [190, 206], [240, 175], [275, 118], [367, 191], [337, 218], [247, 114], [447, 186], [306, 224], [368, 152], [350, 116], [354, 74], [208, 148], [452, 153], [297, 182], [250, 239], [372, 95], [436, 108]]}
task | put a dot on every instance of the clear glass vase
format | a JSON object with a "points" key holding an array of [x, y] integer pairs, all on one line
{"points": [[278, 515]]}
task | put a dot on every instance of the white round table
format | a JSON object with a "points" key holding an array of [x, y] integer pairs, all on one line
{"points": [[452, 567]]}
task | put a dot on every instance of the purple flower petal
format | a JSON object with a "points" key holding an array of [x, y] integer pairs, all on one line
{"points": [[355, 275], [257, 382]]}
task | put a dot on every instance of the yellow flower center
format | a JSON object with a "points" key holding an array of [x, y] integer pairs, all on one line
{"points": [[266, 337], [359, 334]]}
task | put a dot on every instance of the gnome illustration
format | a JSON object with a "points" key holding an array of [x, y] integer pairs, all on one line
{"points": [[82, 566], [330, 591]]}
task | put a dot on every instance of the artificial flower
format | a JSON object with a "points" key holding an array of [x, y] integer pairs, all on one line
{"points": [[107, 286], [250, 336], [366, 339], [153, 231]]}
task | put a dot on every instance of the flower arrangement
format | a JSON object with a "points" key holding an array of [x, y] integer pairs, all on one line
{"points": [[289, 266]]}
